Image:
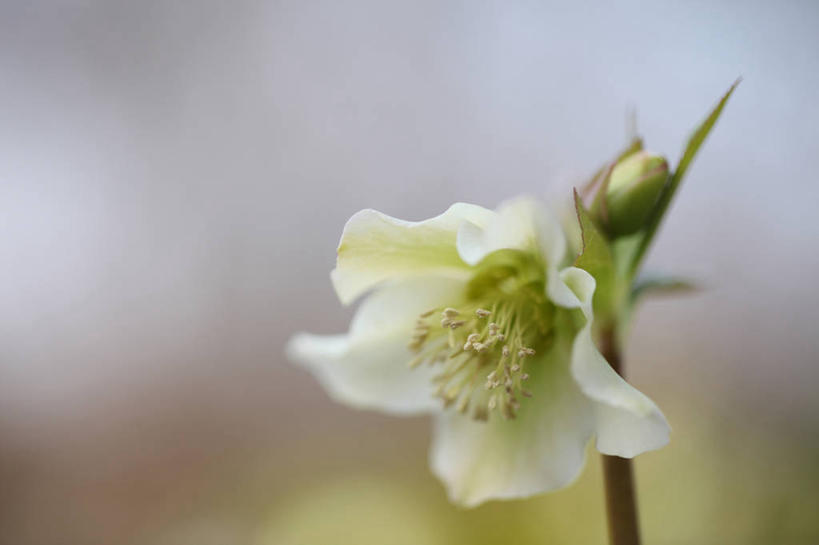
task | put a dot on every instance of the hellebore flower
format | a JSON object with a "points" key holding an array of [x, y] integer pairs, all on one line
{"points": [[474, 316]]}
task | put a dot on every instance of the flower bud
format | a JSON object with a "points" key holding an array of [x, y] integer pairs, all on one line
{"points": [[635, 185]]}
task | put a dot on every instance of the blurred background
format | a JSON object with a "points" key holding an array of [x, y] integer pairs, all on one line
{"points": [[174, 177]]}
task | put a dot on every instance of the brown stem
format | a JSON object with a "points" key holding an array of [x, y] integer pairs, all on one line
{"points": [[621, 498]]}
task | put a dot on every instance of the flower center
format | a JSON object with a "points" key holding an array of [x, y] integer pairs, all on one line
{"points": [[486, 345]]}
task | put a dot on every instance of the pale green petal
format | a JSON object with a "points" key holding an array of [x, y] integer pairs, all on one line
{"points": [[375, 247], [520, 224], [542, 449], [367, 368], [627, 422]]}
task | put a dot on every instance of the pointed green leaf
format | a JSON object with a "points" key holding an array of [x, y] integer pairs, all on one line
{"points": [[691, 149], [696, 139], [595, 258], [660, 285]]}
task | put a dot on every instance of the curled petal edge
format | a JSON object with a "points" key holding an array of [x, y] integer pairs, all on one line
{"points": [[628, 423], [375, 248]]}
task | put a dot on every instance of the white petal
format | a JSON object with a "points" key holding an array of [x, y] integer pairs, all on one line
{"points": [[553, 244], [558, 291], [520, 224], [367, 368], [375, 247], [375, 376], [572, 288], [542, 449], [470, 243], [550, 236], [627, 422]]}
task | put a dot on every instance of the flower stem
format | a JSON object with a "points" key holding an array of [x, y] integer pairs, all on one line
{"points": [[621, 499]]}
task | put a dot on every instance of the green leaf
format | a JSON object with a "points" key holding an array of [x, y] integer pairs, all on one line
{"points": [[691, 149], [660, 285], [596, 258], [696, 139]]}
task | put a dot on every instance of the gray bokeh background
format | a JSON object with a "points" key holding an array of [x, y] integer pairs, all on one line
{"points": [[174, 178]]}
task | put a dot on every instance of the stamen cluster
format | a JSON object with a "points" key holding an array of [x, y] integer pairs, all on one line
{"points": [[482, 359]]}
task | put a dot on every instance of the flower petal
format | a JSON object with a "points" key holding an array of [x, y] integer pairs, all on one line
{"points": [[375, 376], [367, 368], [375, 247], [519, 224], [627, 422], [542, 449]]}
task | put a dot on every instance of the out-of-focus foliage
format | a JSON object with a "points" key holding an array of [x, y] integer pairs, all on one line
{"points": [[714, 484]]}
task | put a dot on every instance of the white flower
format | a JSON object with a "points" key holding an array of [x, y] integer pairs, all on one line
{"points": [[470, 316]]}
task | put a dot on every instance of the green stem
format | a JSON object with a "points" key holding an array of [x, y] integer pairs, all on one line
{"points": [[621, 500]]}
